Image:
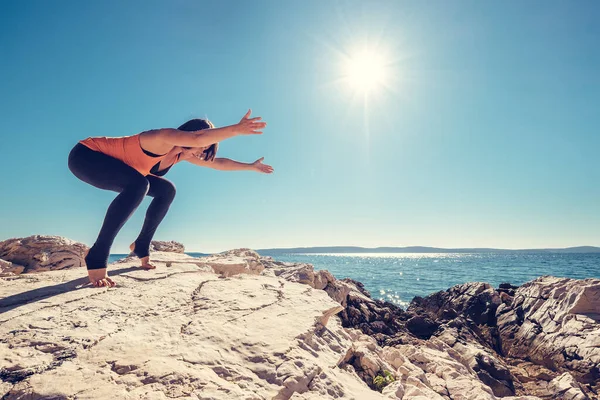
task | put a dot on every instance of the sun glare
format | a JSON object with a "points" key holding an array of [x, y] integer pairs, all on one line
{"points": [[366, 70]]}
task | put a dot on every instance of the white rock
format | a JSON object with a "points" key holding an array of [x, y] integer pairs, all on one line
{"points": [[175, 331], [567, 388], [43, 253]]}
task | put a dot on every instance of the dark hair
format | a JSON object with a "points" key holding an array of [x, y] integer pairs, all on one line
{"points": [[197, 125]]}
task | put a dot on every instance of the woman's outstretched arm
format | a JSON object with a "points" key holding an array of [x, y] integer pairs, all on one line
{"points": [[167, 138], [226, 164]]}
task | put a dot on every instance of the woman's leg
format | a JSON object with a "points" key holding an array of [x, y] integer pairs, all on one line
{"points": [[163, 193], [106, 172]]}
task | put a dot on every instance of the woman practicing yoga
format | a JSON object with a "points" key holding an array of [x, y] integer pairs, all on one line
{"points": [[133, 166]]}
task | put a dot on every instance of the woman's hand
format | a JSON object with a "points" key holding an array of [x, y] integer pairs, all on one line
{"points": [[258, 166], [250, 126]]}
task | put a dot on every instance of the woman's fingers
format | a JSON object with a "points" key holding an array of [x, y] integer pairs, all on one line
{"points": [[267, 169], [258, 125], [248, 113], [251, 126]]}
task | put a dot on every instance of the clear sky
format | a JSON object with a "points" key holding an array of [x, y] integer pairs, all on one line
{"points": [[485, 132]]}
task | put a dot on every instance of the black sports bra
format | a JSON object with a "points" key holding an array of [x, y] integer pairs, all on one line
{"points": [[154, 170]]}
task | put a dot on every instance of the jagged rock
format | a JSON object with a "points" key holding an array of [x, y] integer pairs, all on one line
{"points": [[8, 269], [43, 253], [339, 290], [460, 323], [565, 387], [507, 288], [302, 273], [475, 300], [171, 246], [233, 262], [365, 357], [526, 372], [433, 370], [553, 322], [421, 326], [358, 286], [544, 328]]}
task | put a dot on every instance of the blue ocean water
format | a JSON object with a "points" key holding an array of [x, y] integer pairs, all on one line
{"points": [[399, 277]]}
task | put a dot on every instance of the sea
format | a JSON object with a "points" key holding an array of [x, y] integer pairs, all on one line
{"points": [[399, 277]]}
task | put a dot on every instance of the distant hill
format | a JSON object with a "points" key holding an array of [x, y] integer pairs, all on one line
{"points": [[420, 249]]}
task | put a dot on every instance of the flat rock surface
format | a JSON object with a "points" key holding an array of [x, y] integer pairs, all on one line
{"points": [[181, 331]]}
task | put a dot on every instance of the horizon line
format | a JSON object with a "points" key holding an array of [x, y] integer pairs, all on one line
{"points": [[403, 247]]}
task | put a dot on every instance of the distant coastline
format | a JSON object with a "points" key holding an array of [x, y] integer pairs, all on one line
{"points": [[420, 249], [409, 249]]}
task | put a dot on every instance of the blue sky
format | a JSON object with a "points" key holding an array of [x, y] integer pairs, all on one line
{"points": [[486, 134]]}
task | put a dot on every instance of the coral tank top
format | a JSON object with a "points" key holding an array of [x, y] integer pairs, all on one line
{"points": [[126, 148]]}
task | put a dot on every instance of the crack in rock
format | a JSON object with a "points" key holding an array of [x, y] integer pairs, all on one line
{"points": [[17, 375], [160, 277], [253, 310], [280, 297]]}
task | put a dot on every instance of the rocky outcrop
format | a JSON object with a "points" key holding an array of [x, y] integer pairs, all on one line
{"points": [[170, 247], [7, 268], [40, 253], [471, 327], [237, 325], [174, 332], [233, 262], [554, 322], [541, 337], [457, 364]]}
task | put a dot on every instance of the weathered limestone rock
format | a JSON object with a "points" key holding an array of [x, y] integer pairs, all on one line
{"points": [[42, 253], [365, 358], [301, 273], [522, 338], [340, 290], [170, 247], [233, 262], [474, 300], [566, 387], [237, 325], [553, 322], [173, 332], [470, 370], [8, 269]]}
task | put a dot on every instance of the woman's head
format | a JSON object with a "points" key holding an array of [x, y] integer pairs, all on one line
{"points": [[205, 153], [196, 125]]}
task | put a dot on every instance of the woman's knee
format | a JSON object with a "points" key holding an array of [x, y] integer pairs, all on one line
{"points": [[169, 191], [139, 185], [161, 188]]}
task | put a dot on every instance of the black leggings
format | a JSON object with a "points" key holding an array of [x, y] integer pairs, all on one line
{"points": [[108, 173]]}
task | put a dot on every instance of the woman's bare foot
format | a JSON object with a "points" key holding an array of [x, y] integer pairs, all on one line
{"points": [[145, 260], [99, 278]]}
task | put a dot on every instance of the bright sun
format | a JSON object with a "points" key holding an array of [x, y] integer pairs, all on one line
{"points": [[366, 70]]}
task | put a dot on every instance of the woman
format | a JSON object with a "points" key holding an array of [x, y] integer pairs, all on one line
{"points": [[133, 166]]}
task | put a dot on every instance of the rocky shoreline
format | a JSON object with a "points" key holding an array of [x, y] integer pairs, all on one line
{"points": [[241, 326]]}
